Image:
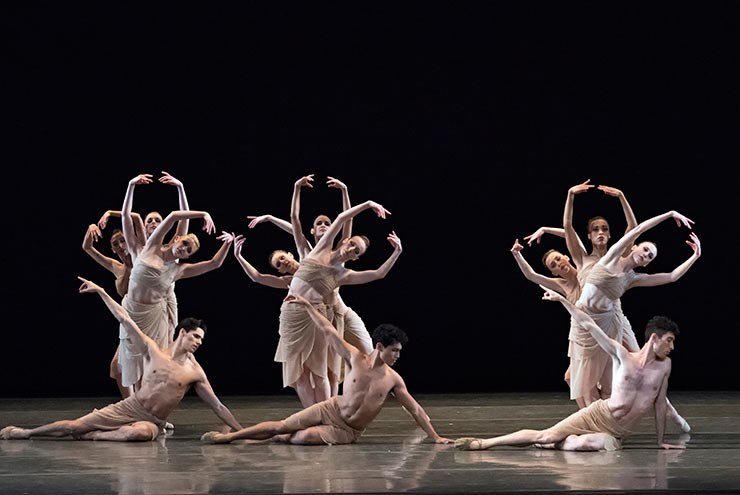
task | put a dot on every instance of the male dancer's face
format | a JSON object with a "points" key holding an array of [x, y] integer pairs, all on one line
{"points": [[598, 232], [389, 354], [191, 340], [662, 346], [320, 226]]}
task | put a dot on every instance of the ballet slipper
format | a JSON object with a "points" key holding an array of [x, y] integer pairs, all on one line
{"points": [[210, 437], [469, 443], [169, 426]]}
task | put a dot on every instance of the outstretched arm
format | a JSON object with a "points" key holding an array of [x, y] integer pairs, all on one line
{"points": [[575, 247], [629, 238], [417, 412], [135, 217], [531, 275], [182, 225], [660, 410], [205, 392], [352, 277], [283, 224], [268, 280], [194, 269], [92, 235], [295, 206], [338, 184], [133, 243], [610, 346], [157, 236], [327, 240], [121, 314], [537, 235], [653, 279], [330, 333]]}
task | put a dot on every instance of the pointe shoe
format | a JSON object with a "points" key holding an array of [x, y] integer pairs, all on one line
{"points": [[469, 443]]}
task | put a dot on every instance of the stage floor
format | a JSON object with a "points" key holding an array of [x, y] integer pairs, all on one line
{"points": [[391, 456]]}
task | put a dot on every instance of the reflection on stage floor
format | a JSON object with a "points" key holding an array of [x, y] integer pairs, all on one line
{"points": [[391, 457]]}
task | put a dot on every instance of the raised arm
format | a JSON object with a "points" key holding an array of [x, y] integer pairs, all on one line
{"points": [[557, 232], [295, 206], [416, 411], [575, 246], [133, 243], [653, 279], [531, 275], [327, 240], [352, 277], [182, 225], [135, 217], [157, 236], [346, 205], [629, 215], [194, 269], [610, 346], [205, 392], [261, 278], [283, 224], [629, 238], [330, 333], [92, 235], [121, 314]]}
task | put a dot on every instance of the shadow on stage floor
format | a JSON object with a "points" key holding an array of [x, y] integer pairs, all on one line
{"points": [[391, 457]]}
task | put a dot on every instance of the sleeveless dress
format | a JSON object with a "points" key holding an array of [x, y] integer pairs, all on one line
{"points": [[589, 363], [157, 321], [301, 344]]}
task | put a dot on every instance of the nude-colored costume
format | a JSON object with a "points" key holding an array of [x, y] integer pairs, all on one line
{"points": [[355, 332], [301, 345], [589, 364], [157, 321], [328, 420], [596, 418], [127, 412]]}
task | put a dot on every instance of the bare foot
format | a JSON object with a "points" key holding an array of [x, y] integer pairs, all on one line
{"points": [[13, 433], [213, 437], [469, 443]]}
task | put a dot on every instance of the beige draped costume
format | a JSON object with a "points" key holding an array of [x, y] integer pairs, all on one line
{"points": [[589, 364], [157, 320], [126, 412], [327, 419], [301, 344], [596, 418]]}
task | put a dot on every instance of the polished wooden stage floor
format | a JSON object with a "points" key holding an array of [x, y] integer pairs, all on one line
{"points": [[391, 457]]}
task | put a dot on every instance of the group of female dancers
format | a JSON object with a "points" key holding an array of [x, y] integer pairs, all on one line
{"points": [[596, 283], [148, 267]]}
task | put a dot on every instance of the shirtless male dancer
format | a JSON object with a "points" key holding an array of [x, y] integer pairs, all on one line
{"points": [[640, 383], [168, 374], [342, 419]]}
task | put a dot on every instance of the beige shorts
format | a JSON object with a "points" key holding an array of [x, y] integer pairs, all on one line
{"points": [[596, 418], [128, 412], [325, 417]]}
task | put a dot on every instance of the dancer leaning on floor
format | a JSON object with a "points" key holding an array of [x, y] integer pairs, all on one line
{"points": [[355, 331], [168, 375], [640, 384], [156, 268], [122, 269], [342, 419]]}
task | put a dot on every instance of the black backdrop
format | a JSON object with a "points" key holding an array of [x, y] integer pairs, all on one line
{"points": [[469, 123]]}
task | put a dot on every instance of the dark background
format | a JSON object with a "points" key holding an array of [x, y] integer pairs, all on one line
{"points": [[468, 122]]}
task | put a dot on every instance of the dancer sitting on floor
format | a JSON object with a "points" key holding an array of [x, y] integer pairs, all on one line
{"points": [[168, 375], [640, 383], [342, 419]]}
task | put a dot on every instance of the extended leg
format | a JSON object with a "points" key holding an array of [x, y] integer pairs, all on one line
{"points": [[57, 429], [521, 438], [115, 373], [260, 431], [138, 432]]}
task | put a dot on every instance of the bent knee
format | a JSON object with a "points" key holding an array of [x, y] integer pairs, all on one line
{"points": [[140, 432]]}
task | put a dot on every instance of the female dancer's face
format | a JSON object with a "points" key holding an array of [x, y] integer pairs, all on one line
{"points": [[598, 232], [183, 247], [320, 226], [644, 253], [352, 248], [283, 262], [118, 245], [558, 264], [151, 222]]}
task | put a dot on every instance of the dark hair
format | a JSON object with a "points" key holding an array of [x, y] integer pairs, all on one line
{"points": [[269, 258], [660, 325], [189, 324], [152, 212], [593, 220], [115, 233], [388, 334], [544, 257]]}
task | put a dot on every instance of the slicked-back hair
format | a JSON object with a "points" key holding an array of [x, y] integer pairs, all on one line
{"points": [[388, 334], [588, 226], [269, 258], [544, 257], [660, 325], [189, 324], [365, 240]]}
